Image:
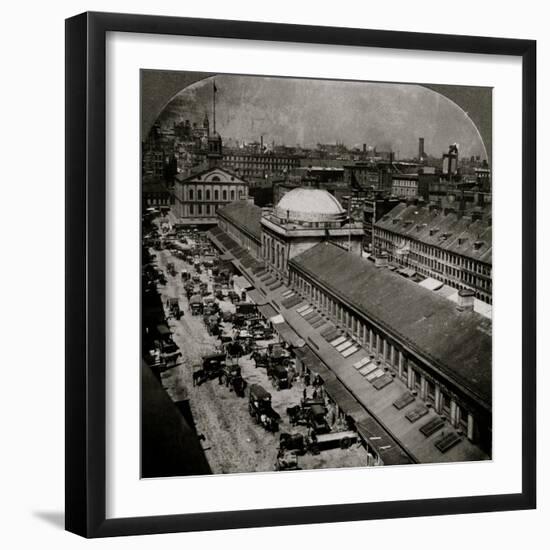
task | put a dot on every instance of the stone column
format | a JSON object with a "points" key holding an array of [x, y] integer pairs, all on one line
{"points": [[437, 400], [423, 387], [371, 340], [401, 363], [470, 433], [454, 420], [410, 378]]}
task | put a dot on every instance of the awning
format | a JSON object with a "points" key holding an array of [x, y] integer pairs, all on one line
{"points": [[267, 310], [286, 332], [431, 284], [387, 449], [277, 319], [242, 283], [257, 297], [407, 272], [313, 363], [345, 400]]}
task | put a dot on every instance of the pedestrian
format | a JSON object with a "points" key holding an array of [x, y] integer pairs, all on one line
{"points": [[304, 393], [315, 394], [220, 378], [306, 378]]}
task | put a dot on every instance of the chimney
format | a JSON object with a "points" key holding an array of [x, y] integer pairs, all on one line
{"points": [[420, 148], [364, 147], [465, 300]]}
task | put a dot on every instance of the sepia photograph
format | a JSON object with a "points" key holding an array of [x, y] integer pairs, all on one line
{"points": [[316, 274]]}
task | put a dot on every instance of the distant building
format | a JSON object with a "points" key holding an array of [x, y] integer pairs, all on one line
{"points": [[155, 194], [255, 167], [375, 207], [450, 162], [198, 196], [404, 185], [362, 174], [451, 247]]}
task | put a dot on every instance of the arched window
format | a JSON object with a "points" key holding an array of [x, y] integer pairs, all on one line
{"points": [[208, 194], [199, 194], [232, 194], [224, 195]]}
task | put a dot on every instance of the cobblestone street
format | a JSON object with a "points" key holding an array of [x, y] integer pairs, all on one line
{"points": [[233, 442]]}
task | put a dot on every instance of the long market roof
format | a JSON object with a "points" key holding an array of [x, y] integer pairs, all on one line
{"points": [[458, 342], [245, 215]]}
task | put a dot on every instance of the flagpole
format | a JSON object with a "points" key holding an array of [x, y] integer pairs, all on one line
{"points": [[214, 104]]}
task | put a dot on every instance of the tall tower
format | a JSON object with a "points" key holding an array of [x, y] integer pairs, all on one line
{"points": [[215, 153], [206, 123], [420, 148]]}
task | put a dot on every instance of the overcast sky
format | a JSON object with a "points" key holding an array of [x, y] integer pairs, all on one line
{"points": [[306, 112]]}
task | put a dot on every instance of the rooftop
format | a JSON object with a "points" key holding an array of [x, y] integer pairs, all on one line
{"points": [[245, 215], [451, 232], [458, 343]]}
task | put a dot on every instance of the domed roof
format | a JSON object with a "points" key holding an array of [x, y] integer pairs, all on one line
{"points": [[309, 205]]}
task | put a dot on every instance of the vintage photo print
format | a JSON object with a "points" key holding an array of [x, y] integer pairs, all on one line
{"points": [[316, 274]]}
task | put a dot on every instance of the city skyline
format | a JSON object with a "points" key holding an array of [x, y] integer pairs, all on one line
{"points": [[306, 112]]}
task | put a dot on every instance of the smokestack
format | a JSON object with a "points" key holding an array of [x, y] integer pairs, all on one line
{"points": [[465, 300], [420, 148], [261, 144], [364, 147]]}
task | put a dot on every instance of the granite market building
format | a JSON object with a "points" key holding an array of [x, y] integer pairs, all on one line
{"points": [[410, 368]]}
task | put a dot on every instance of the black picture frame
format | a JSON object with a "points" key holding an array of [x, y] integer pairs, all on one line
{"points": [[86, 279]]}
